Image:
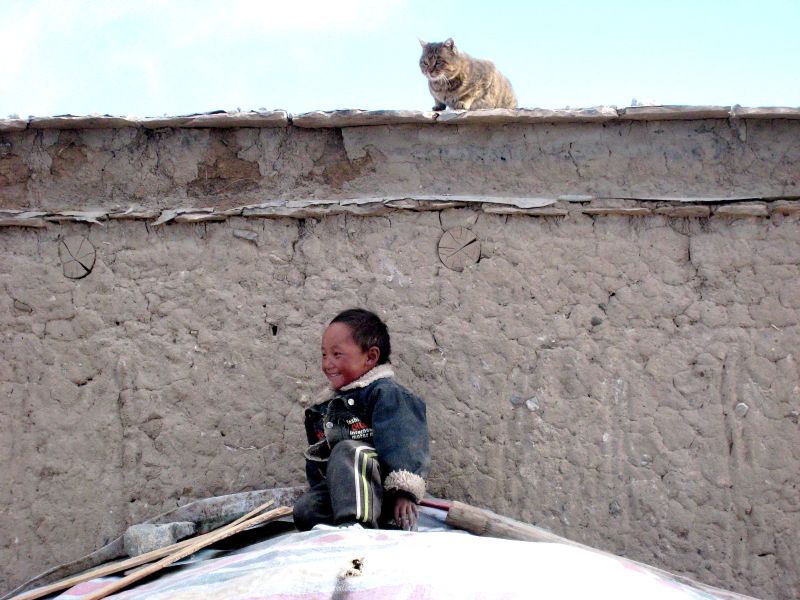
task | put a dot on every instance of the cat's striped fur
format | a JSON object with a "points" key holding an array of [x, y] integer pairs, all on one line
{"points": [[458, 81]]}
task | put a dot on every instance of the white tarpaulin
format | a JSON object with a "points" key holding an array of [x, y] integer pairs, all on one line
{"points": [[361, 564]]}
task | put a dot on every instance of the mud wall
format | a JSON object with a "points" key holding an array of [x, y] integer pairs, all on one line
{"points": [[617, 367]]}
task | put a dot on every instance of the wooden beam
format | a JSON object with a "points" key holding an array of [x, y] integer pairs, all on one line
{"points": [[485, 523], [135, 561], [199, 544]]}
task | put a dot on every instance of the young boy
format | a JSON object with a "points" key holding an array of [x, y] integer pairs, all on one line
{"points": [[368, 455]]}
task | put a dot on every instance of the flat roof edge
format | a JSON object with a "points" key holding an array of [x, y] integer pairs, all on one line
{"points": [[360, 118]]}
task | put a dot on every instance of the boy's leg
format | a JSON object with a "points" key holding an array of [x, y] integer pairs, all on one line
{"points": [[313, 508], [354, 481]]}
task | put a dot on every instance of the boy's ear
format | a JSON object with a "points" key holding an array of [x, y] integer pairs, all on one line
{"points": [[373, 355]]}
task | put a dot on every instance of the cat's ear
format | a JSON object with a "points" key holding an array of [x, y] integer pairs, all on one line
{"points": [[422, 42], [449, 43]]}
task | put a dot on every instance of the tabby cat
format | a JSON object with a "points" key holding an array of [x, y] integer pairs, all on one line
{"points": [[458, 81]]}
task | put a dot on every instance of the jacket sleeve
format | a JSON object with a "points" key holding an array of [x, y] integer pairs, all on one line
{"points": [[318, 451], [400, 431]]}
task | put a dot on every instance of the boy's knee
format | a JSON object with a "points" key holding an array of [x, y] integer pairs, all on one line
{"points": [[345, 448], [348, 455]]}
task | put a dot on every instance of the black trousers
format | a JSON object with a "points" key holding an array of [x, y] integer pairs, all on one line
{"points": [[351, 492]]}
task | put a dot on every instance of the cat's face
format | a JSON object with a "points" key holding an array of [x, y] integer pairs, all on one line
{"points": [[438, 60]]}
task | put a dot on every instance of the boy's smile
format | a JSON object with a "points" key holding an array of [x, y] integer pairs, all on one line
{"points": [[344, 361]]}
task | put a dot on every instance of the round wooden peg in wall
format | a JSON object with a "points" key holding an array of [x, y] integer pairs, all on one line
{"points": [[459, 247], [77, 255]]}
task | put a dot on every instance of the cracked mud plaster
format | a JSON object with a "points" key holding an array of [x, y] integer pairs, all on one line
{"points": [[584, 376], [221, 168], [587, 374]]}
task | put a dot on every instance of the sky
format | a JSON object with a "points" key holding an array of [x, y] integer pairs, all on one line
{"points": [[174, 57]]}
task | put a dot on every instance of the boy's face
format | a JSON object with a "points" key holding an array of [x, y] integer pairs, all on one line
{"points": [[343, 361]]}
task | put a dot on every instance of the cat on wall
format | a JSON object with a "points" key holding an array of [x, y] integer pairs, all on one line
{"points": [[458, 81]]}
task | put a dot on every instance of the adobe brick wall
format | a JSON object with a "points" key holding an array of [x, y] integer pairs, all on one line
{"points": [[621, 375]]}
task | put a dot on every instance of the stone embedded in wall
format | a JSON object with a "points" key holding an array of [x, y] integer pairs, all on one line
{"points": [[495, 209], [618, 211], [684, 212], [360, 118], [216, 119], [13, 124], [666, 113], [499, 116], [33, 222], [22, 306], [199, 218], [132, 213], [81, 216], [786, 207], [751, 209], [246, 234]]}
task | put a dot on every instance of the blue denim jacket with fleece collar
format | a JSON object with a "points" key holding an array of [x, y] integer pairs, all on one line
{"points": [[378, 411]]}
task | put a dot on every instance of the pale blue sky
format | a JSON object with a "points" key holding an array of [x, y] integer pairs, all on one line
{"points": [[156, 57]]}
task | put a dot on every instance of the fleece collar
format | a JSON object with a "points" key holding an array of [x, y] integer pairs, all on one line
{"points": [[379, 372]]}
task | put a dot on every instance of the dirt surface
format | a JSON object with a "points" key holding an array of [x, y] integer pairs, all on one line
{"points": [[627, 382]]}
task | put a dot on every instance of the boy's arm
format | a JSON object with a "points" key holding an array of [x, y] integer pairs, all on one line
{"points": [[400, 429]]}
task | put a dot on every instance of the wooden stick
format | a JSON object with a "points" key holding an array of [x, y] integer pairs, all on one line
{"points": [[485, 523], [199, 544], [134, 561], [435, 503]]}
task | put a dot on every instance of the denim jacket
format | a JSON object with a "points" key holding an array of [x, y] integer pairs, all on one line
{"points": [[378, 411]]}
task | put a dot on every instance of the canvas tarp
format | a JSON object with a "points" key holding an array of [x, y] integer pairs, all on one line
{"points": [[435, 562]]}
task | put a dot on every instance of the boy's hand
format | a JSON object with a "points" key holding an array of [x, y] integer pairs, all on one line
{"points": [[405, 513]]}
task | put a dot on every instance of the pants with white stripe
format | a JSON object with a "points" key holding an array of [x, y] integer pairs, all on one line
{"points": [[351, 492]]}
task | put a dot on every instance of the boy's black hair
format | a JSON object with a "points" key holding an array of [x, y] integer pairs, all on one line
{"points": [[367, 330]]}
